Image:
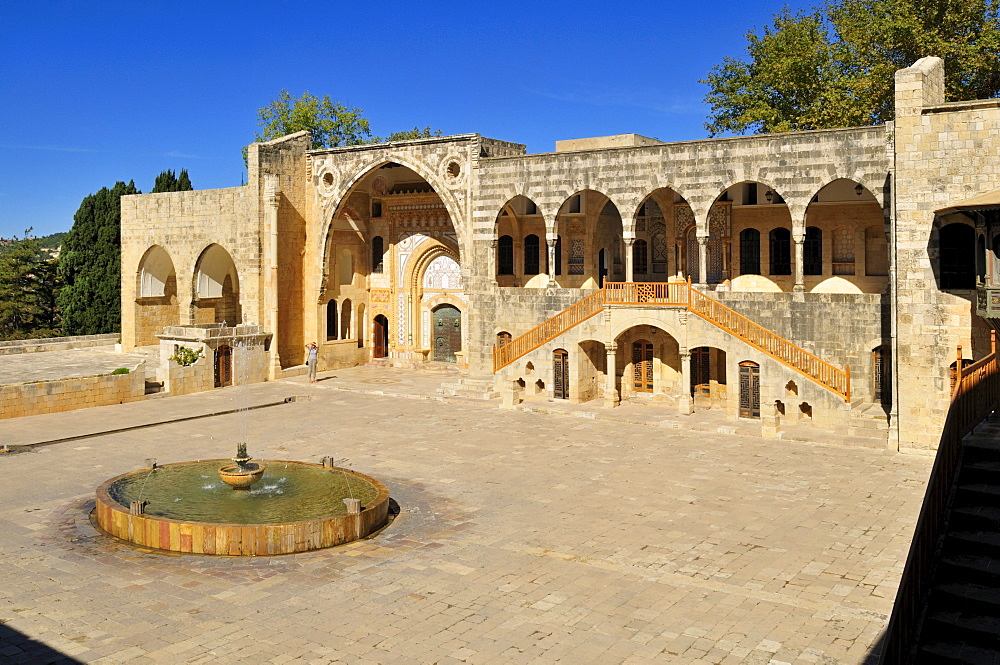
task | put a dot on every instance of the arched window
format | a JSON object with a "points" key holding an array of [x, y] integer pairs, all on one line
{"points": [[331, 320], [781, 251], [640, 257], [505, 256], [812, 252], [531, 245], [558, 255], [378, 254], [345, 320], [503, 338], [749, 252], [958, 270]]}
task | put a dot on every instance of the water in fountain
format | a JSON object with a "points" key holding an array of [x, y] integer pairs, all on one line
{"points": [[288, 492]]}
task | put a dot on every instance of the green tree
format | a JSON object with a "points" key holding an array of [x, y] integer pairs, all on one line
{"points": [[330, 123], [833, 65], [90, 264], [168, 181], [28, 288], [415, 133]]}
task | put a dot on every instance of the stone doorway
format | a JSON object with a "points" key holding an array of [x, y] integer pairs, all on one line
{"points": [[447, 331], [223, 366], [642, 366], [560, 370], [380, 337], [749, 390]]}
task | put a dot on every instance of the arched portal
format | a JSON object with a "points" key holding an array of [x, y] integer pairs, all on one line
{"points": [[156, 304], [649, 364], [384, 234], [447, 332], [216, 289]]}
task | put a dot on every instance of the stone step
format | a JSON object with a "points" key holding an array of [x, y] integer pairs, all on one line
{"points": [[951, 653]]}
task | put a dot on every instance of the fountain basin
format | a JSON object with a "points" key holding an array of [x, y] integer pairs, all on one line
{"points": [[296, 507], [241, 477]]}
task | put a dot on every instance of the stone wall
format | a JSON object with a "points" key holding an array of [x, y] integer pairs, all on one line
{"points": [[185, 224], [11, 347], [38, 397], [945, 153]]}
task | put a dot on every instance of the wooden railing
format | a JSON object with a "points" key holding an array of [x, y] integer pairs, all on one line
{"points": [[976, 396], [834, 379], [548, 330], [680, 294]]}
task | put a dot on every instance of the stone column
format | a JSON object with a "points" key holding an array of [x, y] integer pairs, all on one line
{"points": [[551, 242], [685, 405], [799, 259], [272, 199], [629, 260], [493, 259], [611, 399], [703, 261]]}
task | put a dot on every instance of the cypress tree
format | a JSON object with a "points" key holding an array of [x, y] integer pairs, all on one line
{"points": [[168, 181], [90, 264]]}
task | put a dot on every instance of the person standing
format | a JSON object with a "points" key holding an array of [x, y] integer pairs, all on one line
{"points": [[311, 360]]}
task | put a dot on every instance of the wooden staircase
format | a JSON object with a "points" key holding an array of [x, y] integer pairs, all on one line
{"points": [[679, 295]]}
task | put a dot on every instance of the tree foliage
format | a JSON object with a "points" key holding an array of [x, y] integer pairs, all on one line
{"points": [[168, 181], [408, 135], [28, 288], [90, 264], [330, 123], [833, 65]]}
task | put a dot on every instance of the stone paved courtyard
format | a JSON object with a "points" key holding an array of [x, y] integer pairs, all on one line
{"points": [[521, 538]]}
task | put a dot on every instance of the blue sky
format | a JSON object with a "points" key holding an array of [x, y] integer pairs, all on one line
{"points": [[94, 92]]}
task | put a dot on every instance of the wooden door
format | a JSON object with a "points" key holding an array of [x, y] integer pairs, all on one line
{"points": [[560, 366], [223, 366], [380, 337], [447, 331], [700, 370], [642, 366], [749, 390]]}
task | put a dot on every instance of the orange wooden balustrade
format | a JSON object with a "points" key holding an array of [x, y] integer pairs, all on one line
{"points": [[680, 294], [548, 330], [976, 395]]}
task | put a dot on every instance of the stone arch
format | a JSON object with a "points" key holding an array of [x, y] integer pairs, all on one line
{"points": [[424, 255], [336, 201], [215, 296], [519, 217], [156, 303], [660, 223], [589, 221]]}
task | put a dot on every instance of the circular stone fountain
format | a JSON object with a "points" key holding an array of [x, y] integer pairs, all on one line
{"points": [[291, 507]]}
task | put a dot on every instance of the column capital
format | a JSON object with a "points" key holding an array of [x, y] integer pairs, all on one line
{"points": [[611, 348]]}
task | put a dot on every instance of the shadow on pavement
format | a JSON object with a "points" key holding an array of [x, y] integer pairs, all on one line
{"points": [[18, 648]]}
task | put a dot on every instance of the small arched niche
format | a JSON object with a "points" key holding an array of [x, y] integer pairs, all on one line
{"points": [[217, 288]]}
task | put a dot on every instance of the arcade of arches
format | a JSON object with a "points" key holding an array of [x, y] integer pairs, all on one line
{"points": [[751, 243]]}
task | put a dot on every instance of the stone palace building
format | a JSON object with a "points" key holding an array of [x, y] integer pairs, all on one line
{"points": [[825, 276]]}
